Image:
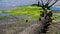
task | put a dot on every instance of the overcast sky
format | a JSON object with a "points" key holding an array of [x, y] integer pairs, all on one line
{"points": [[9, 3]]}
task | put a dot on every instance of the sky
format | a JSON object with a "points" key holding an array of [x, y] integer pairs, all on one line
{"points": [[11, 3]]}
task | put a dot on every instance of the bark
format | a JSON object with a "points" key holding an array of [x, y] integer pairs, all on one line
{"points": [[39, 27], [34, 28]]}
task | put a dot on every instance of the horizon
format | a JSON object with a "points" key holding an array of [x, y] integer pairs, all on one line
{"points": [[7, 4]]}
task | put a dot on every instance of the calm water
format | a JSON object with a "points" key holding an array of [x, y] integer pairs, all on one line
{"points": [[4, 14], [55, 8]]}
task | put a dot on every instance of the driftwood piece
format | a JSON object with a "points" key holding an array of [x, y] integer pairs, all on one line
{"points": [[34, 28]]}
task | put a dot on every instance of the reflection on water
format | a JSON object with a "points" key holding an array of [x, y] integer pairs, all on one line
{"points": [[4, 14]]}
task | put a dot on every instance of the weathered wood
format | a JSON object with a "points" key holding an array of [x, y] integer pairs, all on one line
{"points": [[37, 28], [34, 28]]}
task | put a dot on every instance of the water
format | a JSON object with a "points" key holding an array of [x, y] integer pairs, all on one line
{"points": [[4, 14], [55, 8]]}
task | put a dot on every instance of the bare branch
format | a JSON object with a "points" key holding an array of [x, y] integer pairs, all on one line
{"points": [[42, 2], [42, 5], [53, 4], [48, 2]]}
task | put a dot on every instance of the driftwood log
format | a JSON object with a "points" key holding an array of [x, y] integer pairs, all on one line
{"points": [[39, 27], [35, 28]]}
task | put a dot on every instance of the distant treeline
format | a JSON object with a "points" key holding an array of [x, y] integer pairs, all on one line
{"points": [[34, 4]]}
